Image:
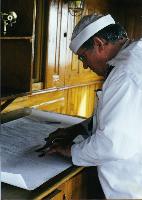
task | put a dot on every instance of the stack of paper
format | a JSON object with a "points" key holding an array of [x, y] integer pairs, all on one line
{"points": [[20, 164]]}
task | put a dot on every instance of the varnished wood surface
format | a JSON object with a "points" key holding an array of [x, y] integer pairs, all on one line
{"points": [[76, 101], [59, 58], [16, 38]]}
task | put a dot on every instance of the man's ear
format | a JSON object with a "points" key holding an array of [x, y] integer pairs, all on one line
{"points": [[98, 43]]}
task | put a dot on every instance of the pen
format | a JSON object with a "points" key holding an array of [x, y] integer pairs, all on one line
{"points": [[43, 121], [51, 122]]}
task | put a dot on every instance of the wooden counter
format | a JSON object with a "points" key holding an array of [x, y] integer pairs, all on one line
{"points": [[63, 186], [73, 183]]}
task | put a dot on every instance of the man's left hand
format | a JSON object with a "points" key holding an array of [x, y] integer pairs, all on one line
{"points": [[64, 151]]}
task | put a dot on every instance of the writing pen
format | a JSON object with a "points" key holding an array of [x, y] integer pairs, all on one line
{"points": [[51, 122], [43, 121]]}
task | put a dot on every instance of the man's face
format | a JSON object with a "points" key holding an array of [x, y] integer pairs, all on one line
{"points": [[94, 58]]}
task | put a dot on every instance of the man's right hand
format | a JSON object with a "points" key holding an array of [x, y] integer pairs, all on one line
{"points": [[62, 136]]}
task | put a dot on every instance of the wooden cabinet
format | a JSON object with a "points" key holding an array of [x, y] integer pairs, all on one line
{"points": [[56, 195], [17, 48], [16, 65]]}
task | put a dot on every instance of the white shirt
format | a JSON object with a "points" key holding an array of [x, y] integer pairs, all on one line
{"points": [[116, 146]]}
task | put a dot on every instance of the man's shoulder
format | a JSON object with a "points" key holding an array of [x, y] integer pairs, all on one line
{"points": [[128, 55], [131, 73]]}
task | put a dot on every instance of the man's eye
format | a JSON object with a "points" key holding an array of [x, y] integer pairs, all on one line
{"points": [[82, 58]]}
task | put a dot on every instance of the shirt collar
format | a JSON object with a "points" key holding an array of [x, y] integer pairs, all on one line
{"points": [[126, 44]]}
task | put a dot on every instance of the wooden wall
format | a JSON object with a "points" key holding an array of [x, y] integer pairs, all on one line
{"points": [[129, 14], [77, 101], [74, 92], [59, 59]]}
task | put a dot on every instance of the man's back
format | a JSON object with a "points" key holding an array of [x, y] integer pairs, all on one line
{"points": [[122, 178]]}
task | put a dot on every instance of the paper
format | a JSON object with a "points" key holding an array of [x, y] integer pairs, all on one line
{"points": [[20, 164]]}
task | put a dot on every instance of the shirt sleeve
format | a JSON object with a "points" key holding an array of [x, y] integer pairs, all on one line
{"points": [[118, 133], [88, 125]]}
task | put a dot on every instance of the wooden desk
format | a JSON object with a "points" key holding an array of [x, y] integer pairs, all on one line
{"points": [[73, 183], [61, 186]]}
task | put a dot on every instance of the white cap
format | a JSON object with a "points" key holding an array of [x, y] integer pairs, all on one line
{"points": [[89, 31]]}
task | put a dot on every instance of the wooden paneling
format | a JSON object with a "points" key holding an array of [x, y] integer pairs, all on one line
{"points": [[41, 26], [77, 101], [57, 105], [97, 6], [59, 58], [56, 43], [129, 14], [38, 100], [74, 188], [75, 74], [81, 100], [56, 195], [61, 61]]}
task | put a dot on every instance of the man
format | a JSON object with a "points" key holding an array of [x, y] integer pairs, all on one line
{"points": [[115, 145]]}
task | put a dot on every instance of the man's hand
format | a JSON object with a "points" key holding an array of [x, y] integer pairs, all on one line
{"points": [[59, 133], [64, 151], [58, 141], [65, 136], [62, 136], [61, 140]]}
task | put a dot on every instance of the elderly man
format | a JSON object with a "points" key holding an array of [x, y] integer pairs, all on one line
{"points": [[115, 143]]}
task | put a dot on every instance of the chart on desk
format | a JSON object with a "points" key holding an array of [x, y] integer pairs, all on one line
{"points": [[20, 164]]}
